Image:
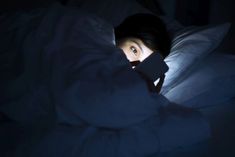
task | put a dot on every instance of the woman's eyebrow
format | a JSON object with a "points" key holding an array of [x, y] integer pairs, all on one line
{"points": [[137, 45]]}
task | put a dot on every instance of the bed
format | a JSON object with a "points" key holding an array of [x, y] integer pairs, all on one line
{"points": [[200, 78]]}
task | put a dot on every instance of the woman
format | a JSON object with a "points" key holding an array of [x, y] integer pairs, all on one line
{"points": [[141, 35], [148, 30]]}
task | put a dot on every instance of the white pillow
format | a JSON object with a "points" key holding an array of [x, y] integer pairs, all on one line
{"points": [[190, 46], [211, 83]]}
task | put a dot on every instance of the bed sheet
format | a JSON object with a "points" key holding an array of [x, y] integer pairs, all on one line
{"points": [[70, 98]]}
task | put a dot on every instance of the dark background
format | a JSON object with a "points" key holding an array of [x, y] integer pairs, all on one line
{"points": [[201, 12], [187, 12]]}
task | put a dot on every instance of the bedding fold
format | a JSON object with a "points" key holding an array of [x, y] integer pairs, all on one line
{"points": [[76, 94]]}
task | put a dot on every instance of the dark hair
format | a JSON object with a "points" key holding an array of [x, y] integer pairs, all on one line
{"points": [[149, 28]]}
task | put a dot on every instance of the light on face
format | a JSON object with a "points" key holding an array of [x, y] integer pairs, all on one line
{"points": [[134, 49]]}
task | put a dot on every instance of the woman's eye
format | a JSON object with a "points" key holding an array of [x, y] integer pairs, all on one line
{"points": [[133, 49]]}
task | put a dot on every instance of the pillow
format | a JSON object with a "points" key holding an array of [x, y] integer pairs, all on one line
{"points": [[211, 83], [189, 47]]}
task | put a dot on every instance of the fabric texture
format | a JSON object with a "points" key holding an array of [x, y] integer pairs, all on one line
{"points": [[189, 47], [74, 93], [211, 83]]}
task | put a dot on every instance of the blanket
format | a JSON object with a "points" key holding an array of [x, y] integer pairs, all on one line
{"points": [[67, 90]]}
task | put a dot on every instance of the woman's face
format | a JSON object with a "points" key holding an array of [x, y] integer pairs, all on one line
{"points": [[134, 49]]}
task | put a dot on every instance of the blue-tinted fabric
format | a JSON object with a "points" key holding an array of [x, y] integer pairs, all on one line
{"points": [[74, 93]]}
